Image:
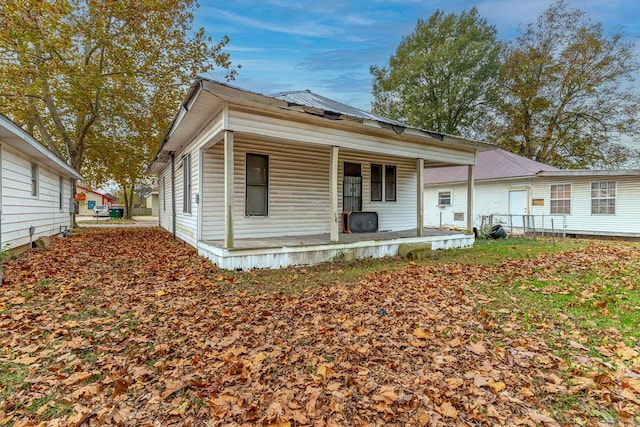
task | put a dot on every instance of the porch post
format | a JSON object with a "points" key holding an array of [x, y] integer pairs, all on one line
{"points": [[470, 197], [228, 189], [420, 198], [333, 195]]}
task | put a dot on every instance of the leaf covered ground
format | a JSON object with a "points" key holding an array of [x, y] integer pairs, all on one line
{"points": [[127, 327]]}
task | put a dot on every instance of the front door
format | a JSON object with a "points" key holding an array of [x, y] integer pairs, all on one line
{"points": [[518, 207], [352, 187]]}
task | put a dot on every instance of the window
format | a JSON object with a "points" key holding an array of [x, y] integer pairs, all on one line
{"points": [[444, 198], [164, 193], [34, 179], [376, 183], [257, 185], [560, 201], [186, 184], [603, 198], [390, 183], [60, 192]]}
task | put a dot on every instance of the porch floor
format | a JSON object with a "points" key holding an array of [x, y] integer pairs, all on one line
{"points": [[280, 252], [323, 239]]}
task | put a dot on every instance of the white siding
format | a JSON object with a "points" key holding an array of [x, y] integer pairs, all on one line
{"points": [[21, 210], [581, 221], [165, 199], [340, 134], [298, 190], [491, 198], [186, 224]]}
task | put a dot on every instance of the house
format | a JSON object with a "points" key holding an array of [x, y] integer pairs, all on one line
{"points": [[152, 203], [516, 192], [88, 199], [36, 189], [256, 181]]}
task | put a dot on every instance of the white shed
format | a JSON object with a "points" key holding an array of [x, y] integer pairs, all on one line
{"points": [[36, 189], [269, 181]]}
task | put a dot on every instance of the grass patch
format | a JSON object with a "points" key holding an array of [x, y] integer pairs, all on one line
{"points": [[484, 252], [12, 379]]}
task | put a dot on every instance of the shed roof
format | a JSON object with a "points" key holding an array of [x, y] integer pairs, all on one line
{"points": [[493, 164]]}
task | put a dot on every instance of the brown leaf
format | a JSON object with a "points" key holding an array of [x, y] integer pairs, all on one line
{"points": [[88, 390], [171, 386], [542, 418], [477, 348], [77, 377], [119, 387], [420, 334], [447, 410], [386, 394], [497, 386]]}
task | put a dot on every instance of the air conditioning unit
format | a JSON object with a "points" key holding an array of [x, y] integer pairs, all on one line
{"points": [[359, 222]]}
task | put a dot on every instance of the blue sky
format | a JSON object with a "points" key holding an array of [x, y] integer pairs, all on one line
{"points": [[328, 47]]}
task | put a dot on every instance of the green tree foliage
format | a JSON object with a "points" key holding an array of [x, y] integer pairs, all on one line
{"points": [[441, 74], [101, 80], [565, 91]]}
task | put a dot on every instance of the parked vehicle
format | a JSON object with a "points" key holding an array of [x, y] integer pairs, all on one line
{"points": [[101, 210]]}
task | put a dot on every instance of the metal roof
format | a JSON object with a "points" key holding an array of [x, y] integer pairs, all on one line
{"points": [[313, 100], [493, 164], [205, 95]]}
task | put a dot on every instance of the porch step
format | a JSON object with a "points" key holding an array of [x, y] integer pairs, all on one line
{"points": [[414, 251]]}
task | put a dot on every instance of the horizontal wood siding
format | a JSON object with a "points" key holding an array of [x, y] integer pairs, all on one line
{"points": [[624, 222], [21, 210], [392, 216], [186, 222], [165, 212], [491, 198], [343, 136], [298, 190], [213, 192]]}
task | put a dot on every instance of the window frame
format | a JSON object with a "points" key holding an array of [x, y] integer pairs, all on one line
{"points": [[388, 198], [383, 193], [60, 193], [186, 184], [566, 209], [602, 198], [164, 194], [265, 185], [440, 198], [35, 179], [378, 184]]}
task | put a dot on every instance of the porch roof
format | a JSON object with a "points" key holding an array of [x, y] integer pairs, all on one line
{"points": [[207, 96]]}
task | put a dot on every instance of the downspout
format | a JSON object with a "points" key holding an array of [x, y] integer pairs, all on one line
{"points": [[173, 195]]}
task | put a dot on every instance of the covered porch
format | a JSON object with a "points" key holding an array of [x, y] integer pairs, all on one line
{"points": [[281, 252]]}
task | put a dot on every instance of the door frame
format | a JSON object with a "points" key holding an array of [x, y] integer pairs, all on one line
{"points": [[527, 206]]}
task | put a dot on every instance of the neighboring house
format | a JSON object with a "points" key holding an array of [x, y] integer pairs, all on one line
{"points": [[518, 191], [36, 189], [262, 181], [88, 199], [153, 203]]}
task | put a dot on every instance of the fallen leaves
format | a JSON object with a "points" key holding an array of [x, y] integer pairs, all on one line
{"points": [[141, 331]]}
